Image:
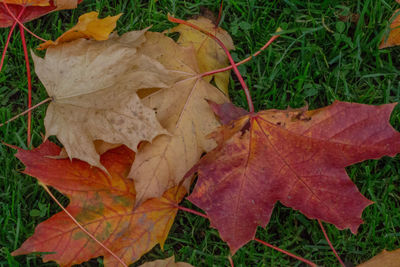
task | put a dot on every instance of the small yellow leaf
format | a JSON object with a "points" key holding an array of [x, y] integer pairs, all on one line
{"points": [[88, 26]]}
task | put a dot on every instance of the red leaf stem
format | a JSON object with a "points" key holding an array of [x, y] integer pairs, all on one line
{"points": [[231, 261], [273, 38], [3, 56], [28, 76], [255, 239], [219, 14], [20, 23], [192, 211], [221, 44], [285, 252], [330, 244]]}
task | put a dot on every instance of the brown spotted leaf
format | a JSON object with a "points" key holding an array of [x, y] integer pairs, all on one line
{"points": [[102, 203], [93, 85], [296, 157]]}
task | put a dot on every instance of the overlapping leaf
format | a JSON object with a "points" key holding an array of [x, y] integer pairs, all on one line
{"points": [[31, 9], [103, 203], [170, 262], [182, 109], [296, 157], [210, 56], [88, 26], [385, 258], [93, 85]]}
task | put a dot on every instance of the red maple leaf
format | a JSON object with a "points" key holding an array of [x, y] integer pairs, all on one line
{"points": [[297, 157], [28, 11]]}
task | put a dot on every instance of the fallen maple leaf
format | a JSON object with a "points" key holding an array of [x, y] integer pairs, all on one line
{"points": [[208, 53], [394, 35], [33, 9], [296, 157], [93, 85], [103, 204], [89, 27], [183, 111], [385, 258], [170, 262]]}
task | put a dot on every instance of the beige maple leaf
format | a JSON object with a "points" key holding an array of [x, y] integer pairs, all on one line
{"points": [[93, 85], [183, 110], [385, 258], [208, 53], [169, 262]]}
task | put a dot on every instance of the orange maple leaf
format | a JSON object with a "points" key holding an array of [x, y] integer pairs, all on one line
{"points": [[88, 26], [103, 205], [297, 157]]}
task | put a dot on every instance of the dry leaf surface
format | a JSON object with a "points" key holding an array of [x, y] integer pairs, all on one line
{"points": [[93, 85], [296, 157], [89, 26], [170, 262], [384, 259], [182, 109], [210, 56], [103, 204]]}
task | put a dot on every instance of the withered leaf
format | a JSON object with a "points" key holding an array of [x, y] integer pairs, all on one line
{"points": [[103, 204], [385, 258], [93, 85], [183, 110], [170, 262], [296, 157], [210, 56]]}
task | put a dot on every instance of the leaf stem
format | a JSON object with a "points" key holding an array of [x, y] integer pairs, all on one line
{"points": [[221, 44], [255, 239], [330, 244], [26, 111], [80, 226], [286, 252], [219, 14], [192, 211], [20, 23], [28, 76], [273, 38], [231, 261], [3, 56]]}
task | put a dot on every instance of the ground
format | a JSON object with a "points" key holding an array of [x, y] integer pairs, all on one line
{"points": [[322, 56]]}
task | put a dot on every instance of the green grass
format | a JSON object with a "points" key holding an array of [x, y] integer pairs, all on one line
{"points": [[309, 63]]}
